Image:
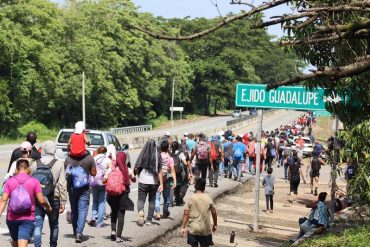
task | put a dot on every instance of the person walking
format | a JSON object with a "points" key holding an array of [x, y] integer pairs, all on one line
{"points": [[98, 188], [295, 172], [196, 218], [228, 156], [18, 152], [149, 168], [269, 184], [121, 202], [169, 181], [22, 190], [239, 151], [202, 153], [25, 153], [217, 157], [78, 172], [50, 173], [183, 172], [316, 163]]}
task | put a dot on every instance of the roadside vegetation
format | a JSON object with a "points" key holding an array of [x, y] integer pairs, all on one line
{"points": [[45, 48]]}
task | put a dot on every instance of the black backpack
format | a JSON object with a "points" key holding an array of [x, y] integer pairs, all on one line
{"points": [[45, 176], [179, 166], [315, 165]]}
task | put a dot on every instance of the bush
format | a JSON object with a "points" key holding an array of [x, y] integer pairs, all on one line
{"points": [[39, 128], [158, 121]]}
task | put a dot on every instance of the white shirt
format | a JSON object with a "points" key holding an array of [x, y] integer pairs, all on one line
{"points": [[147, 177]]}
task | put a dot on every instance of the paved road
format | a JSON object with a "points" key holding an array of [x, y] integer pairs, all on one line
{"points": [[135, 234]]}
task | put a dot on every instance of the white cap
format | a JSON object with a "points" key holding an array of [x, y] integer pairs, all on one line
{"points": [[186, 134], [26, 146], [166, 133], [79, 127], [221, 133]]}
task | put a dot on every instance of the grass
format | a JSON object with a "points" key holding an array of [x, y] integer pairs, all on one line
{"points": [[323, 128], [358, 236]]}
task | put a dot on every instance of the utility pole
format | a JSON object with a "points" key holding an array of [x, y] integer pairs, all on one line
{"points": [[258, 164], [173, 97], [83, 98]]}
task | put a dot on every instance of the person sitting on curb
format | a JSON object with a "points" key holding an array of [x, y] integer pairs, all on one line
{"points": [[318, 219]]}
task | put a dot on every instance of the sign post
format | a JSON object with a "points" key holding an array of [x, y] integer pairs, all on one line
{"points": [[286, 97]]}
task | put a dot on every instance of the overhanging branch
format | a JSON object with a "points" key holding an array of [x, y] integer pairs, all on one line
{"points": [[224, 22], [330, 73]]}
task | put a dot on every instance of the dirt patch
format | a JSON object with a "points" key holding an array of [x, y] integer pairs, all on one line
{"points": [[323, 129]]}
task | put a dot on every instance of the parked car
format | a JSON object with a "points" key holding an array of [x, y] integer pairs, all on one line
{"points": [[237, 113], [307, 146], [97, 138]]}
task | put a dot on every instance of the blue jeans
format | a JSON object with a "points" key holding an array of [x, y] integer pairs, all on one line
{"points": [[221, 168], [166, 198], [80, 200], [237, 169], [53, 218], [98, 206], [286, 171]]}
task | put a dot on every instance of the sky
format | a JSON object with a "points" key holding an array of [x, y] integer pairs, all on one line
{"points": [[201, 8]]}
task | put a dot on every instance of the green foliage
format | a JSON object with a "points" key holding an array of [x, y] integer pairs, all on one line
{"points": [[157, 122], [36, 127], [354, 237], [357, 146], [45, 48]]}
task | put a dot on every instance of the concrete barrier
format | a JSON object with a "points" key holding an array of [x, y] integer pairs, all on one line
{"points": [[141, 138]]}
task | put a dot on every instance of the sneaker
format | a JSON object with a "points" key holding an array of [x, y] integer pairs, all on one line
{"points": [[148, 223], [91, 222], [119, 240], [78, 238], [113, 236], [271, 211], [166, 214], [140, 220], [215, 185], [157, 216], [100, 225]]}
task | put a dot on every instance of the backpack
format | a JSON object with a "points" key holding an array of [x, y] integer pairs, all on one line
{"points": [[98, 179], [215, 151], [351, 170], [315, 165], [20, 199], [202, 151], [79, 177], [45, 176], [238, 154], [179, 167], [165, 172], [286, 152], [115, 185], [272, 152]]}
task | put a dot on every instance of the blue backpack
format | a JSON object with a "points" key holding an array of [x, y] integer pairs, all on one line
{"points": [[238, 154], [79, 176]]}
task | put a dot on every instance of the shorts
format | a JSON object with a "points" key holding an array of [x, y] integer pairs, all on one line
{"points": [[203, 241], [21, 229]]}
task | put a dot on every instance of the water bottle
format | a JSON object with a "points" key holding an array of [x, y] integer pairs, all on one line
{"points": [[232, 236]]}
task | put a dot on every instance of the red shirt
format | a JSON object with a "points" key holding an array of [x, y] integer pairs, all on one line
{"points": [[78, 148]]}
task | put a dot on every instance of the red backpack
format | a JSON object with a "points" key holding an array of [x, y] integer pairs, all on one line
{"points": [[115, 185], [214, 153]]}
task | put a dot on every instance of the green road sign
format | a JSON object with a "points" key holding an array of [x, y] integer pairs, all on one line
{"points": [[286, 97], [322, 114]]}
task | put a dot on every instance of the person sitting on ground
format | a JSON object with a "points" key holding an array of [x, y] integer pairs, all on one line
{"points": [[77, 141], [318, 220], [196, 212]]}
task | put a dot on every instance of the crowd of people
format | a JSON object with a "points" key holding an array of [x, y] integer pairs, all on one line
{"points": [[38, 185]]}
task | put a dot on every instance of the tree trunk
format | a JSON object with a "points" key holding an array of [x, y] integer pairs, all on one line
{"points": [[207, 103], [215, 110]]}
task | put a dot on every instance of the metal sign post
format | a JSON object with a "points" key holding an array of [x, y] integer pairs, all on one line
{"points": [[83, 99], [258, 165]]}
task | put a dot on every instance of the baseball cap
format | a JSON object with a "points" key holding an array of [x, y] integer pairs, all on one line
{"points": [[79, 127], [186, 134], [166, 133], [26, 146]]}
